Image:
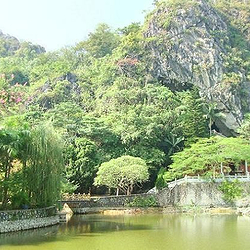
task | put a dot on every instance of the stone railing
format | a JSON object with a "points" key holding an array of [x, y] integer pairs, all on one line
{"points": [[97, 204], [75, 197], [200, 179]]}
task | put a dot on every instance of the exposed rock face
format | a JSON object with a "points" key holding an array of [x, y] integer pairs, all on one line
{"points": [[207, 194], [238, 12], [48, 95], [10, 43], [190, 45]]}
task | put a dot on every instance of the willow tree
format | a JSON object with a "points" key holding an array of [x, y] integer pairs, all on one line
{"points": [[45, 166]]}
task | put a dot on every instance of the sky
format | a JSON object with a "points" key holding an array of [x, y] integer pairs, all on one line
{"points": [[58, 23]]}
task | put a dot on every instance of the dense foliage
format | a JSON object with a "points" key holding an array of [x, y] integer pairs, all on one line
{"points": [[149, 201], [102, 98], [122, 174], [206, 156], [31, 165], [231, 190]]}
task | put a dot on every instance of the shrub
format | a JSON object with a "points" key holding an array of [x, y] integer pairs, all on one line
{"points": [[231, 190], [160, 181], [143, 202], [20, 200]]}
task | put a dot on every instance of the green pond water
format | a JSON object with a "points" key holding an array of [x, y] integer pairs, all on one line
{"points": [[136, 232]]}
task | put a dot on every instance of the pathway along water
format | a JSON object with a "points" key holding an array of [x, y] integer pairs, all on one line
{"points": [[136, 232]]}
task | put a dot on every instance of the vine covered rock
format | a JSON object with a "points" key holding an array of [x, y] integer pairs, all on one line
{"points": [[193, 43]]}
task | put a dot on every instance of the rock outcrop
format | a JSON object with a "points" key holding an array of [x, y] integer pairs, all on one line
{"points": [[10, 45], [191, 44], [48, 95]]}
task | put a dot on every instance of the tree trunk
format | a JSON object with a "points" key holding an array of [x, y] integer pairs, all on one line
{"points": [[128, 191], [117, 191], [210, 126], [5, 186], [131, 189]]}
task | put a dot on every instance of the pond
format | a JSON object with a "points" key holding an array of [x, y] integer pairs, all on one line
{"points": [[136, 232]]}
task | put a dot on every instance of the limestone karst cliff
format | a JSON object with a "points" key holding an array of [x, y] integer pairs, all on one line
{"points": [[195, 43], [183, 43]]}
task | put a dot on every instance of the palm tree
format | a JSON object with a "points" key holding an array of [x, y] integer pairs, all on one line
{"points": [[212, 114], [174, 142]]}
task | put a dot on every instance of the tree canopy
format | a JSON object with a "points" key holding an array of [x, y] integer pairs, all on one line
{"points": [[122, 173], [31, 165], [205, 157], [105, 98]]}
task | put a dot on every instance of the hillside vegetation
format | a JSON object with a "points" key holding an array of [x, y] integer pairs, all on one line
{"points": [[145, 90]]}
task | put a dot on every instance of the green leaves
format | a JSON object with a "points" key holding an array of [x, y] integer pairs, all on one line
{"points": [[191, 119], [82, 160], [244, 130], [45, 165], [148, 201], [231, 190], [122, 173], [102, 96], [31, 164], [99, 43], [206, 156]]}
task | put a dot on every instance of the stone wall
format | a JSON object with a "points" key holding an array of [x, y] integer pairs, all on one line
{"points": [[98, 204], [196, 194], [16, 220]]}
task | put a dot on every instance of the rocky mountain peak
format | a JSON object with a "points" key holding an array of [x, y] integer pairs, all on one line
{"points": [[192, 45]]}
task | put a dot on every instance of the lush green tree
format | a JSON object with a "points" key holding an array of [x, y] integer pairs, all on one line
{"points": [[57, 92], [47, 67], [122, 174], [82, 163], [206, 156], [132, 28], [239, 8], [160, 181], [143, 117], [14, 138], [244, 130], [45, 167], [212, 114], [192, 118], [100, 43], [67, 117], [9, 144], [31, 163], [175, 143], [29, 51]]}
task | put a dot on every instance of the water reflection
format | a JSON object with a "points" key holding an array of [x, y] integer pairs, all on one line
{"points": [[145, 232], [78, 225], [30, 236], [103, 224]]}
